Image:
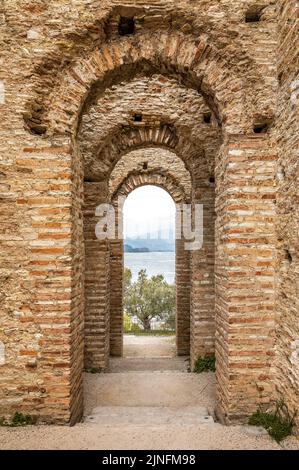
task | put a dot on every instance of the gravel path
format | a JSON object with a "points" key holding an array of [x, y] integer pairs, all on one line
{"points": [[150, 404], [123, 426], [149, 346], [89, 436]]}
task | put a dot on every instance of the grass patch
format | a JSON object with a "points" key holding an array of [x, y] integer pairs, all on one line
{"points": [[18, 419], [151, 333], [205, 364], [278, 423]]}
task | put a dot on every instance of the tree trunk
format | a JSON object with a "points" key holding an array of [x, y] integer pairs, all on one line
{"points": [[146, 324]]}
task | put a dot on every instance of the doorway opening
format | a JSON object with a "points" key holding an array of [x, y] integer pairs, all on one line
{"points": [[149, 276]]}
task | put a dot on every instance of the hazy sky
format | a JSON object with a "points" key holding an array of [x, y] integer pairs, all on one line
{"points": [[149, 209]]}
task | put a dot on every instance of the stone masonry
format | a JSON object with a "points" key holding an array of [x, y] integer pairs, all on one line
{"points": [[98, 98]]}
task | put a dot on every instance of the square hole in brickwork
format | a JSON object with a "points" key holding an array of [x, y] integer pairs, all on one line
{"points": [[261, 128], [253, 15], [126, 26], [287, 256], [145, 166], [280, 78], [207, 118], [137, 117]]}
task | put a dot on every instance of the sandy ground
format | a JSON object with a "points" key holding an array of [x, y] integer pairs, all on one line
{"points": [[145, 403], [150, 389], [149, 346], [95, 437]]}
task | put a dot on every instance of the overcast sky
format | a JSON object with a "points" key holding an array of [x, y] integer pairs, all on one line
{"points": [[149, 210]]}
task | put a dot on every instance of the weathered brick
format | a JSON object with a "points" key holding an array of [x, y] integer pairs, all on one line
{"points": [[69, 115]]}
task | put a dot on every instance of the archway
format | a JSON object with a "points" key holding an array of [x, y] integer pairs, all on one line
{"points": [[168, 183], [150, 277], [65, 84]]}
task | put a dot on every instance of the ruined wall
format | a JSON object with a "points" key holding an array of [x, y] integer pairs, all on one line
{"points": [[68, 76], [287, 129]]}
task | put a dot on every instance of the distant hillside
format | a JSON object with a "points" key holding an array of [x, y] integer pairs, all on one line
{"points": [[130, 249], [141, 245]]}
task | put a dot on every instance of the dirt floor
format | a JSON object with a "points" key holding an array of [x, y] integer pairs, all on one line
{"points": [[145, 403], [149, 346]]}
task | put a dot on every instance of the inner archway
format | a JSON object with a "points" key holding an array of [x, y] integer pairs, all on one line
{"points": [[149, 290], [133, 181]]}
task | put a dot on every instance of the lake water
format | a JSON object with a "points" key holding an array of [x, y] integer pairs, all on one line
{"points": [[154, 263]]}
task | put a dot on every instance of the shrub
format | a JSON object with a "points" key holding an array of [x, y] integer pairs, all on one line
{"points": [[18, 419], [278, 423], [205, 364]]}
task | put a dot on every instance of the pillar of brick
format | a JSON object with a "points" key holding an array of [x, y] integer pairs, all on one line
{"points": [[97, 296], [116, 297], [116, 287], [287, 222], [182, 282], [202, 278], [245, 264], [42, 305]]}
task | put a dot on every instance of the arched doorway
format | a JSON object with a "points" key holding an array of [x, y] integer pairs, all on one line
{"points": [[86, 105], [149, 282], [182, 272]]}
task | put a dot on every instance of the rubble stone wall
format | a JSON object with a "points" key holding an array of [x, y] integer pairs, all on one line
{"points": [[287, 222], [209, 89]]}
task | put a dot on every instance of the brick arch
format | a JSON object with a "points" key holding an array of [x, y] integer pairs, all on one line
{"points": [[198, 64], [165, 181], [142, 137], [216, 43], [166, 120], [157, 160]]}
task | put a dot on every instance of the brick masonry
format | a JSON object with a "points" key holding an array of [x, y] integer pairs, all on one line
{"points": [[210, 101], [286, 365]]}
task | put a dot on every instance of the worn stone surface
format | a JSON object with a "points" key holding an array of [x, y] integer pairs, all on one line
{"points": [[287, 222], [210, 101]]}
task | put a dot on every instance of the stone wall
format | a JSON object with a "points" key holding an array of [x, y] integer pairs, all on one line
{"points": [[287, 128], [41, 279], [206, 81]]}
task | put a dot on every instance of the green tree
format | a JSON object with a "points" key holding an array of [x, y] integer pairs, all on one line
{"points": [[149, 298], [127, 323], [127, 280]]}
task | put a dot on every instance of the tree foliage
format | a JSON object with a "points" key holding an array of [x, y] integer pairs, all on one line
{"points": [[149, 298]]}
